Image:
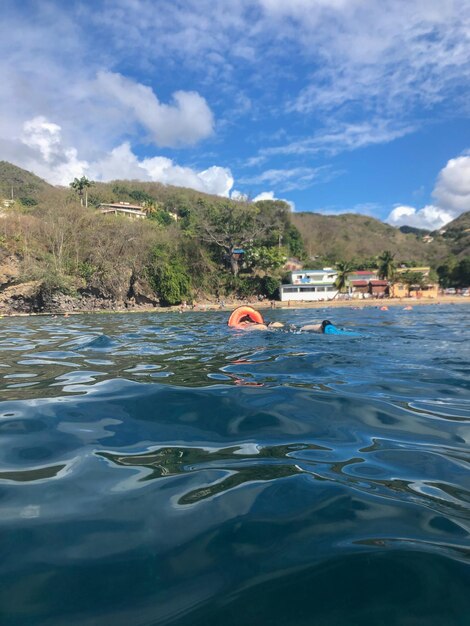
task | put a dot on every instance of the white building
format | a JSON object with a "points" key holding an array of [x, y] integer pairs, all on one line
{"points": [[125, 208], [310, 286]]}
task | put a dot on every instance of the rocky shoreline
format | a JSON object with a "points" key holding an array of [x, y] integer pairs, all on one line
{"points": [[36, 297]]}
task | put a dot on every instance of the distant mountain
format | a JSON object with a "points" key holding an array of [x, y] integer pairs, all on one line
{"points": [[352, 236], [415, 231]]}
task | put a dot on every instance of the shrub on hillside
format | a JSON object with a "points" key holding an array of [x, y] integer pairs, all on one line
{"points": [[167, 276], [171, 283]]}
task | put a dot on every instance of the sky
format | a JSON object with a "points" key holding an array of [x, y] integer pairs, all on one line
{"points": [[335, 106]]}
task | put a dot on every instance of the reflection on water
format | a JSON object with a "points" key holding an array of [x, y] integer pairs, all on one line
{"points": [[231, 461], [164, 469]]}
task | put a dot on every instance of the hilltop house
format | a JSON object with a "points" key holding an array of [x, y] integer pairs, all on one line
{"points": [[125, 208], [310, 286]]}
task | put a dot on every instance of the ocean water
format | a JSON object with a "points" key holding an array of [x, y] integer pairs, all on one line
{"points": [[164, 469]]}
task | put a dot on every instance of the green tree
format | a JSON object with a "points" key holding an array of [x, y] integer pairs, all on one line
{"points": [[230, 226], [81, 185], [141, 196], [432, 276], [386, 265], [293, 241], [27, 201], [265, 257], [270, 286], [413, 280], [445, 271], [461, 273]]}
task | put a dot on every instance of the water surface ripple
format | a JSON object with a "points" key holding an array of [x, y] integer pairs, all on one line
{"points": [[164, 469]]}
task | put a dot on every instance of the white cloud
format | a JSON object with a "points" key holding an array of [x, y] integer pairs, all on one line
{"points": [[123, 163], [239, 196], [386, 55], [344, 136], [270, 195], [389, 57], [291, 179], [452, 196], [452, 189], [430, 217], [218, 179], [265, 195], [59, 164], [42, 135], [120, 163], [215, 180], [48, 158], [184, 122]]}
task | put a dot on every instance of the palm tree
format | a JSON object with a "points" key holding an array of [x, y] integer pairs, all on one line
{"points": [[149, 207], [79, 185], [386, 265], [343, 268]]}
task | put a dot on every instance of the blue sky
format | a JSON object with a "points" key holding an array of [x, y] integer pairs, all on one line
{"points": [[334, 105]]}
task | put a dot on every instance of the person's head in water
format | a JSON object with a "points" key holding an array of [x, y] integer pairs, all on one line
{"points": [[324, 324]]}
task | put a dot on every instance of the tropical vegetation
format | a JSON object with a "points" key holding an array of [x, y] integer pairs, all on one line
{"points": [[192, 245], [386, 265], [81, 186], [343, 268]]}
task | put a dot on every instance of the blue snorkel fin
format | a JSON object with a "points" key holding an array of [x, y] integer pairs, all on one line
{"points": [[329, 329]]}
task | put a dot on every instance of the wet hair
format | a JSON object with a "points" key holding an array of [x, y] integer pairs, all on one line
{"points": [[324, 324]]}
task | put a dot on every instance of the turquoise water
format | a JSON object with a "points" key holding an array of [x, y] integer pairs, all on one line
{"points": [[163, 469]]}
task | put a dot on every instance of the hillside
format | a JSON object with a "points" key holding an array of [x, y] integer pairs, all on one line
{"points": [[457, 235], [351, 236], [57, 255], [326, 237], [30, 190], [24, 186]]}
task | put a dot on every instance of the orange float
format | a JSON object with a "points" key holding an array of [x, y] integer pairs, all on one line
{"points": [[244, 315]]}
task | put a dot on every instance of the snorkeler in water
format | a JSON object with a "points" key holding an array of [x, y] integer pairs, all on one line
{"points": [[247, 318], [322, 327]]}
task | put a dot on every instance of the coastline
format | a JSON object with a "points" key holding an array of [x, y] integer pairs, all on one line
{"points": [[205, 306]]}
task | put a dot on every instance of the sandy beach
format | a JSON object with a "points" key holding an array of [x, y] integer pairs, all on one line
{"points": [[353, 303], [372, 302]]}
